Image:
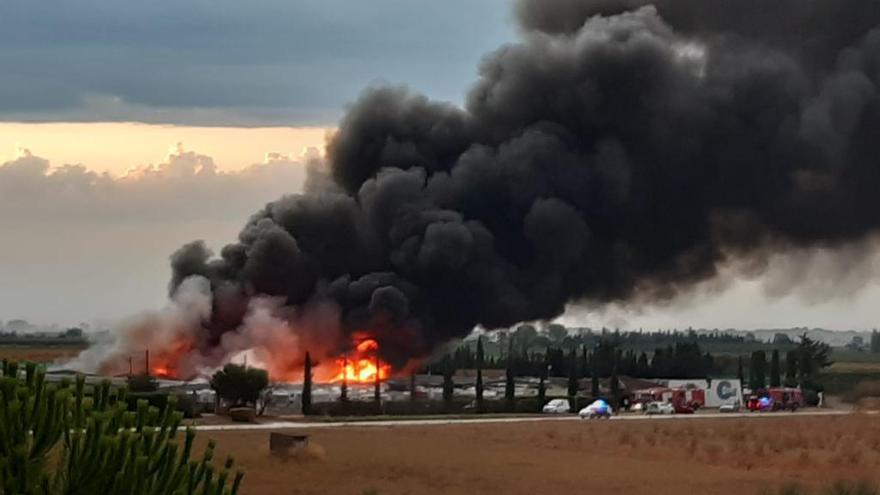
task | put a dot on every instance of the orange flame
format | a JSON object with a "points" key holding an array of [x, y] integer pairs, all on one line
{"points": [[165, 364], [363, 365]]}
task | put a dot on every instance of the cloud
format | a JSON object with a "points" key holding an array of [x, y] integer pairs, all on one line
{"points": [[188, 186], [228, 62], [79, 245]]}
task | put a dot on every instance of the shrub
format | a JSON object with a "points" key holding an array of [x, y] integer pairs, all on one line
{"points": [[155, 399], [142, 383], [239, 385]]}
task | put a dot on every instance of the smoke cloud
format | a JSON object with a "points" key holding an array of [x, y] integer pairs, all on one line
{"points": [[619, 153]]}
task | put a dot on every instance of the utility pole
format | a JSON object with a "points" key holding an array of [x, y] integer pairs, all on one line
{"points": [[147, 361]]}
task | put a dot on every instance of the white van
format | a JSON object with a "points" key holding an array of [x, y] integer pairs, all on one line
{"points": [[557, 406]]}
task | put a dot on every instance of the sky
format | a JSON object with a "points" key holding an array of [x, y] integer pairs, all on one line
{"points": [[130, 128]]}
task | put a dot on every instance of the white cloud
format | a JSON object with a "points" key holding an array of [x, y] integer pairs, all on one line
{"points": [[188, 186], [76, 245]]}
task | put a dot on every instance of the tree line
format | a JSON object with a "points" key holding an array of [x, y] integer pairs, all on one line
{"points": [[801, 367], [609, 360], [681, 360]]}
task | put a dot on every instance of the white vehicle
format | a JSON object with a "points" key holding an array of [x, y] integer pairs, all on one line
{"points": [[659, 408], [730, 407], [557, 406], [597, 410]]}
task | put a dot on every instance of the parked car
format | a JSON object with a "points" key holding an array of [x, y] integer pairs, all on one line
{"points": [[597, 410], [557, 406], [660, 408], [730, 407]]}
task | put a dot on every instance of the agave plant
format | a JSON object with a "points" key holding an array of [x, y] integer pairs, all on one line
{"points": [[62, 439]]}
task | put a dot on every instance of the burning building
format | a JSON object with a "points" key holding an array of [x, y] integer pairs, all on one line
{"points": [[618, 152]]}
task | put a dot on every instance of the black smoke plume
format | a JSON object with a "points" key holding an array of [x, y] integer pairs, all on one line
{"points": [[623, 150]]}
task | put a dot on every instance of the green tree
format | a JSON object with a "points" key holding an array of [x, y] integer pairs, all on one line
{"points": [[642, 367], [739, 370], [572, 375], [524, 335], [875, 341], [758, 370], [479, 384], [594, 378], [73, 333], [585, 362], [813, 355], [239, 385], [142, 383], [542, 385], [614, 388], [557, 333], [343, 387], [775, 379], [377, 383], [791, 368], [509, 384], [448, 384]]}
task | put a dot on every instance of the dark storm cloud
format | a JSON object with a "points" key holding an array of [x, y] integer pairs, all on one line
{"points": [[228, 62], [607, 159]]}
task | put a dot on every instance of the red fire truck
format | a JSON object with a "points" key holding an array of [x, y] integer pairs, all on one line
{"points": [[786, 398]]}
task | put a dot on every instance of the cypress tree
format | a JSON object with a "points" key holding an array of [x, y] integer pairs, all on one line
{"points": [[594, 379], [479, 385], [573, 379], [791, 368], [572, 374], [775, 379], [542, 381], [739, 371], [757, 370], [307, 386], [343, 391], [585, 362], [377, 388], [509, 386], [614, 387], [448, 385], [642, 367]]}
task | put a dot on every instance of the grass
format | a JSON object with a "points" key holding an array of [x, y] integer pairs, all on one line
{"points": [[837, 488], [839, 355], [729, 456], [40, 354], [414, 417]]}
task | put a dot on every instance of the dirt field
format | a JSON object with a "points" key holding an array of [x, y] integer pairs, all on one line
{"points": [[660, 457], [39, 354]]}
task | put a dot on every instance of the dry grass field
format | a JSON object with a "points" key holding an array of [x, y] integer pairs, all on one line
{"points": [[39, 354], [659, 457]]}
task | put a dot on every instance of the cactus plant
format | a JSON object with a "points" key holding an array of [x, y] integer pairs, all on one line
{"points": [[99, 446]]}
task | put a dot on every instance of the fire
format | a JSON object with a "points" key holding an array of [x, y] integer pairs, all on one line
{"points": [[161, 372], [165, 363], [363, 365]]}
